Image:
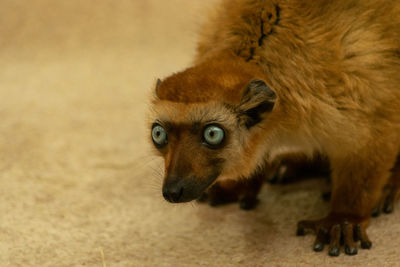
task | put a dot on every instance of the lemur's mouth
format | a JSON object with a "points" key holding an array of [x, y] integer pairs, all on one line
{"points": [[178, 190]]}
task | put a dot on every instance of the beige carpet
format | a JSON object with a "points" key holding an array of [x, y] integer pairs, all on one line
{"points": [[79, 186]]}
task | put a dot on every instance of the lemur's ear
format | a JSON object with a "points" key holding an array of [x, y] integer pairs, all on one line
{"points": [[257, 100], [156, 89]]}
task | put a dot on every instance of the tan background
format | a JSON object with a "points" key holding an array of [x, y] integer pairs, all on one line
{"points": [[76, 175]]}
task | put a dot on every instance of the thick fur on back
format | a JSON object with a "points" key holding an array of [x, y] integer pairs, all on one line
{"points": [[335, 64]]}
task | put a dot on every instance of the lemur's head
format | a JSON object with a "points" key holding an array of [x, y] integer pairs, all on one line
{"points": [[207, 122]]}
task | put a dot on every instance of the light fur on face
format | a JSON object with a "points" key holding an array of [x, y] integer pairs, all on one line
{"points": [[234, 152]]}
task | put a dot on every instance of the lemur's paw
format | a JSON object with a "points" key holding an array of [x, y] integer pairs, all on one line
{"points": [[248, 203], [203, 198], [337, 231], [217, 196], [220, 200]]}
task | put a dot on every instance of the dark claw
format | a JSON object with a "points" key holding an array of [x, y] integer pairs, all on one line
{"points": [[388, 206], [388, 209], [321, 239], [334, 251], [366, 244], [335, 236], [362, 236], [376, 211], [350, 250], [318, 247], [348, 238]]}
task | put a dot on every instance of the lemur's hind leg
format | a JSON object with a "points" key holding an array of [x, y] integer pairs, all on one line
{"points": [[291, 167], [244, 191], [390, 193]]}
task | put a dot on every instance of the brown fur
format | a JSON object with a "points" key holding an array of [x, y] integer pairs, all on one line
{"points": [[335, 68]]}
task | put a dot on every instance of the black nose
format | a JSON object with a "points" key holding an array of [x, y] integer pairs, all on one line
{"points": [[173, 192]]}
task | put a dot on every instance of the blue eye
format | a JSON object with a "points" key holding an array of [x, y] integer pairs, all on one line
{"points": [[213, 135], [159, 135]]}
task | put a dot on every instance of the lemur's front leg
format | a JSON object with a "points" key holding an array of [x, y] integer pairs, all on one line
{"points": [[245, 191], [357, 183]]}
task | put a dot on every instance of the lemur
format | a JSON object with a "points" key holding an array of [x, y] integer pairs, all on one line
{"points": [[322, 77]]}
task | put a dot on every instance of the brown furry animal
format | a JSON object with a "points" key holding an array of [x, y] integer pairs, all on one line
{"points": [[318, 76]]}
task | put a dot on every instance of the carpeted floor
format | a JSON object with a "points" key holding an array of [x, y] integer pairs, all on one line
{"points": [[78, 185]]}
